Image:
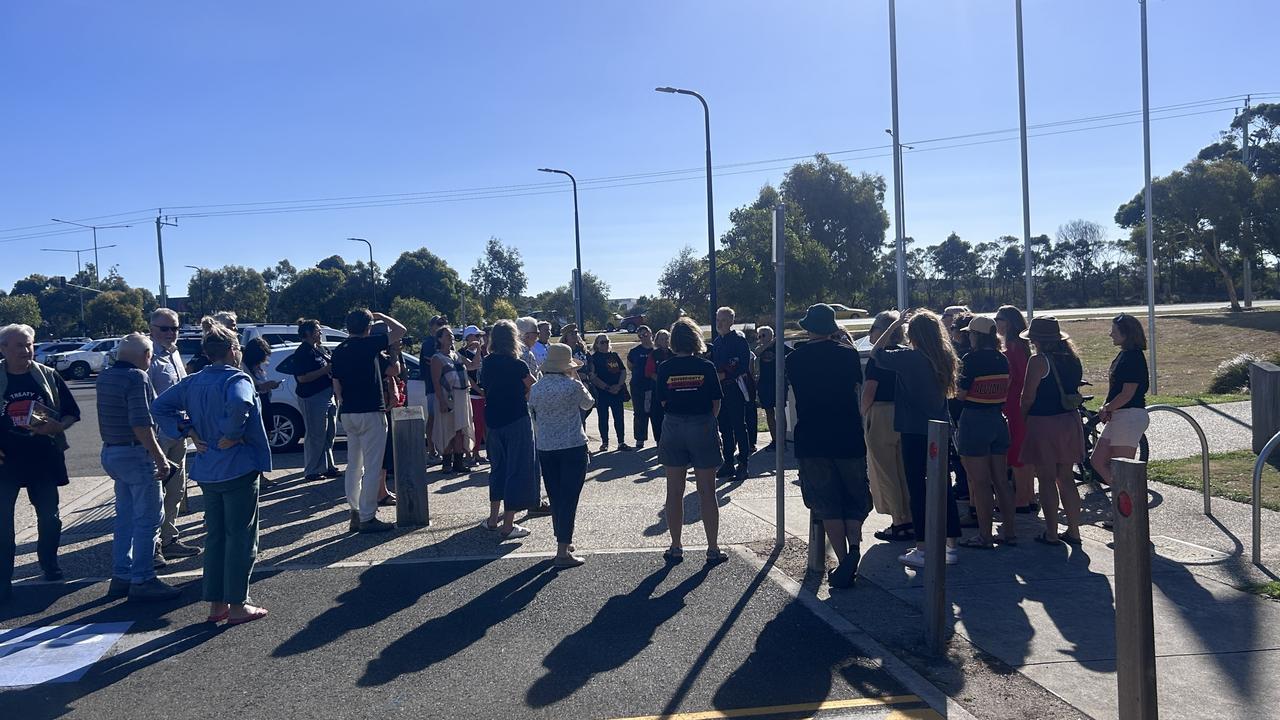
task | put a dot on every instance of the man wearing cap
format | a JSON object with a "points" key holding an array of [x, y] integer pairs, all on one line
{"points": [[826, 377], [731, 354]]}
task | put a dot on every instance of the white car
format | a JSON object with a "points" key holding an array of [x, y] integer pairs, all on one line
{"points": [[277, 335], [284, 417], [89, 359], [45, 349]]}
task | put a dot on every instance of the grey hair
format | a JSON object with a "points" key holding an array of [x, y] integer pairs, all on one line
{"points": [[883, 320], [134, 345], [16, 329], [764, 328], [165, 312], [226, 317], [726, 309], [218, 340]]}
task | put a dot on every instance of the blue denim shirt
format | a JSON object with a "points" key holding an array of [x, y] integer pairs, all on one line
{"points": [[221, 402]]}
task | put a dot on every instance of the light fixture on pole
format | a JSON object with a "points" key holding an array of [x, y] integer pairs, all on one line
{"points": [[373, 278], [95, 229], [79, 269], [711, 231], [577, 248]]}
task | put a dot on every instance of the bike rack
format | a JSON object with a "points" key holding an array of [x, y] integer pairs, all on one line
{"points": [[1257, 496], [1204, 455]]}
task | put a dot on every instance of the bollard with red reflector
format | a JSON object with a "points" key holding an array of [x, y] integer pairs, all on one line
{"points": [[937, 480], [1135, 625]]}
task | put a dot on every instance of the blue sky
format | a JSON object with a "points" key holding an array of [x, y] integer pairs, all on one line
{"points": [[120, 108]]}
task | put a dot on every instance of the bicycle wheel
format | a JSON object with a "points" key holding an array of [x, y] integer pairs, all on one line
{"points": [[1083, 470]]}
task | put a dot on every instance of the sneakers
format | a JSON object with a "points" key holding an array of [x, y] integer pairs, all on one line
{"points": [[159, 560], [914, 558], [332, 472], [517, 531], [543, 510], [153, 589], [375, 525], [54, 575], [177, 548], [604, 447], [118, 588]]}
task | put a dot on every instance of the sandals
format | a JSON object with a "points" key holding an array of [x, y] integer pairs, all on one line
{"points": [[219, 617], [673, 554], [484, 525], [977, 542], [717, 556], [1046, 540], [896, 533], [516, 531], [257, 614]]}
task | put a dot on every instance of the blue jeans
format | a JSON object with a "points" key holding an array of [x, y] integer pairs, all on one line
{"points": [[139, 511], [319, 418]]}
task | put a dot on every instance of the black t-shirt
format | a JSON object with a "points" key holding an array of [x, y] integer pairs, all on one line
{"points": [[31, 458], [825, 377], [768, 363], [308, 358], [984, 376], [607, 366], [356, 365], [637, 358], [424, 362], [688, 385], [886, 380], [504, 393], [1130, 366]]}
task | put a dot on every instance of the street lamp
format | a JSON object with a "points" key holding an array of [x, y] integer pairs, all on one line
{"points": [[78, 271], [373, 279], [95, 229], [899, 206], [711, 232], [577, 249]]}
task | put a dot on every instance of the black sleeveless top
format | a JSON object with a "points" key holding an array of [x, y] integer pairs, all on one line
{"points": [[1048, 399]]}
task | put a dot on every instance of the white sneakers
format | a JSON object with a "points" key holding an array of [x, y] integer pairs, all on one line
{"points": [[914, 558]]}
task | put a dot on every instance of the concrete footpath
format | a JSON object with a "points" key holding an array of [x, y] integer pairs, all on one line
{"points": [[448, 621]]}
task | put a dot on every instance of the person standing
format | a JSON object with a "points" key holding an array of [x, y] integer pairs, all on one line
{"points": [[826, 376], [313, 371], [513, 477], [610, 380], [884, 444], [661, 353], [453, 404], [641, 387], [219, 409], [1125, 411], [528, 328], [925, 376], [473, 352], [571, 337], [357, 384], [982, 438], [539, 347], [132, 457], [767, 387], [731, 355], [690, 390], [165, 371], [427, 352], [1009, 325], [38, 408], [1055, 435], [556, 403]]}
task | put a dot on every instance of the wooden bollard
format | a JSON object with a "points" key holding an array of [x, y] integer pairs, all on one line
{"points": [[1135, 624], [1264, 400], [817, 545], [937, 482], [408, 426]]}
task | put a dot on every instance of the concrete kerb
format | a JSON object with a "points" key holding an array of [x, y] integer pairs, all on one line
{"points": [[867, 645]]}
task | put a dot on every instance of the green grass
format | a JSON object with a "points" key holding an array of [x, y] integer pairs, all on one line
{"points": [[1176, 400], [1266, 589], [1230, 476]]}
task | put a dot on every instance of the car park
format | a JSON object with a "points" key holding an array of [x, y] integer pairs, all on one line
{"points": [[88, 359], [280, 334], [283, 417], [45, 349]]}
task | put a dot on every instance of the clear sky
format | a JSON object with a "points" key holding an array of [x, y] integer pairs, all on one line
{"points": [[120, 108]]}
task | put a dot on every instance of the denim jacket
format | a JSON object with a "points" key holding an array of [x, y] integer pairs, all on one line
{"points": [[221, 402]]}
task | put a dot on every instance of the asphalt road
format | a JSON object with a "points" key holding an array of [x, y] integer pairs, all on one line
{"points": [[625, 636]]}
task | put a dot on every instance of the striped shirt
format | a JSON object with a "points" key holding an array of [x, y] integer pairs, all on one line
{"points": [[124, 402]]}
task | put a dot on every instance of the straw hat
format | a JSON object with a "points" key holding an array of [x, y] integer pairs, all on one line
{"points": [[560, 359]]}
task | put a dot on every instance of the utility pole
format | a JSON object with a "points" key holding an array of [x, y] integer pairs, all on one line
{"points": [[1247, 256], [899, 207], [95, 229], [161, 222], [1029, 266]]}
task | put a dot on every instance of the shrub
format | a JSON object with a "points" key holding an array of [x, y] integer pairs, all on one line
{"points": [[661, 313], [1232, 376]]}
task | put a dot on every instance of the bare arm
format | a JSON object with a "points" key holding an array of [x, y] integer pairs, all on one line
{"points": [[868, 395], [1035, 373], [1127, 391], [395, 331]]}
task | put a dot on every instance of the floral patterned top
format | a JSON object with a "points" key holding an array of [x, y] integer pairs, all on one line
{"points": [[556, 403]]}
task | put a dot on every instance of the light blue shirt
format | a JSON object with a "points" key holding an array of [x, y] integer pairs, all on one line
{"points": [[221, 402]]}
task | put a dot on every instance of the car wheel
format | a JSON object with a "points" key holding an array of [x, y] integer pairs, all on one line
{"points": [[629, 328], [284, 430], [79, 370]]}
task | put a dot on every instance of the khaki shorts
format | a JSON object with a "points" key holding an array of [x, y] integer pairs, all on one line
{"points": [[1126, 427], [835, 488], [690, 441]]}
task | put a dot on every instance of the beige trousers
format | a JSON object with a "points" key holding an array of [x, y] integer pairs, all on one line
{"points": [[884, 464]]}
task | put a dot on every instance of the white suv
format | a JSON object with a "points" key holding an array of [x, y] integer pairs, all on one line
{"points": [[277, 335], [89, 359], [284, 417]]}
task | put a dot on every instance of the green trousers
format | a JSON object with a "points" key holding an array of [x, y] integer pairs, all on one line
{"points": [[231, 545]]}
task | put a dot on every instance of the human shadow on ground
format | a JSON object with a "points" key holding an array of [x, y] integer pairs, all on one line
{"points": [[368, 603], [620, 631], [443, 637]]}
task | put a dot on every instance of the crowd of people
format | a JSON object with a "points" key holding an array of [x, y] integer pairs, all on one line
{"points": [[514, 399]]}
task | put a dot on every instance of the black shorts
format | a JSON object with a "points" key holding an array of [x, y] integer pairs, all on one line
{"points": [[836, 488]]}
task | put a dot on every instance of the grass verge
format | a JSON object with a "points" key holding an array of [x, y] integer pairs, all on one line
{"points": [[1266, 589], [1230, 476]]}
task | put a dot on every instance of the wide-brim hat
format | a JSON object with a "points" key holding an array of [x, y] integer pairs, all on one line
{"points": [[560, 359], [1044, 328], [820, 319]]}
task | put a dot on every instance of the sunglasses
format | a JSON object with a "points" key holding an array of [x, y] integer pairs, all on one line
{"points": [[166, 328]]}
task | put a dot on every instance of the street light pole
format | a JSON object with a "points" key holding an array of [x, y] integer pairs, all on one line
{"points": [[202, 297], [373, 278], [577, 249], [164, 289], [79, 269], [1150, 229], [95, 229], [899, 208], [711, 231], [1026, 188]]}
